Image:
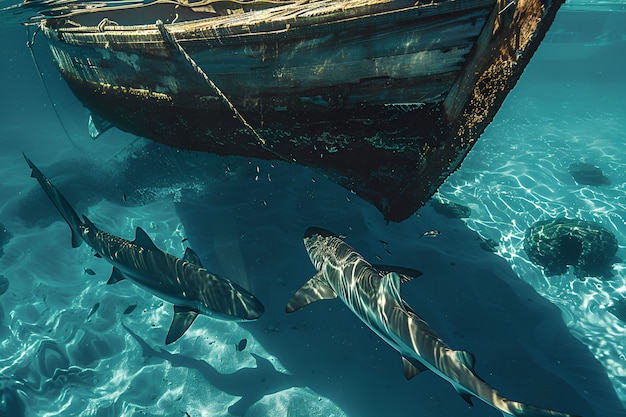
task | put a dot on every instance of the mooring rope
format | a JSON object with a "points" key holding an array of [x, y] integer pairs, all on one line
{"points": [[170, 39], [511, 3], [30, 43]]}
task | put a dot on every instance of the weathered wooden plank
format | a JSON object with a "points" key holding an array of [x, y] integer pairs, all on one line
{"points": [[386, 97]]}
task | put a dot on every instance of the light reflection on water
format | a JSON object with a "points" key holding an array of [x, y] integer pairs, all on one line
{"points": [[516, 177]]}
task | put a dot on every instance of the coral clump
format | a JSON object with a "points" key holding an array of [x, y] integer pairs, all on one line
{"points": [[558, 243]]}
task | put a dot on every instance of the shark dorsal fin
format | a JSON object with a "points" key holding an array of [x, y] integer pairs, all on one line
{"points": [[466, 358], [142, 239], [192, 257], [410, 370], [315, 289], [116, 276], [406, 274], [183, 317], [88, 222], [390, 285]]}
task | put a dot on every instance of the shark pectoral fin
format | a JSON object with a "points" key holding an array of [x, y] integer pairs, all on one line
{"points": [[183, 317], [192, 257], [410, 370], [142, 239], [116, 276], [316, 288], [406, 274]]}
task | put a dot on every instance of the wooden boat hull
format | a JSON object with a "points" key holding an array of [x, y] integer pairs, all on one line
{"points": [[384, 97]]}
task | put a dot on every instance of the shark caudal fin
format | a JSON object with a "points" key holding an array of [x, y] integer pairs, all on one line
{"points": [[517, 409], [59, 202]]}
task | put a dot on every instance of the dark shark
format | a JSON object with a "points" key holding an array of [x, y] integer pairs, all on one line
{"points": [[183, 282], [374, 296]]}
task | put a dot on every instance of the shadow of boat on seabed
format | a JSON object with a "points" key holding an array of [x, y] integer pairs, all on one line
{"points": [[560, 365]]}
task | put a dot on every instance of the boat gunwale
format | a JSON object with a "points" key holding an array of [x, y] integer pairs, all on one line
{"points": [[439, 134], [253, 25]]}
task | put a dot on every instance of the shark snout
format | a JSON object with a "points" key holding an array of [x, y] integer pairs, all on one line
{"points": [[317, 231], [252, 308]]}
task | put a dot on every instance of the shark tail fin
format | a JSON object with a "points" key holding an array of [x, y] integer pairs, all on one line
{"points": [[59, 202], [508, 407], [517, 409]]}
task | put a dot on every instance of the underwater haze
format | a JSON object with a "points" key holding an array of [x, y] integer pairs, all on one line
{"points": [[71, 345]]}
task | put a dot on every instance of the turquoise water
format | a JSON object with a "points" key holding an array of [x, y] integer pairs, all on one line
{"points": [[72, 345], [518, 174]]}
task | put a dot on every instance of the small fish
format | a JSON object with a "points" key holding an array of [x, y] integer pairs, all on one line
{"points": [[93, 310], [184, 240], [432, 233], [89, 271], [385, 245], [124, 197], [130, 309], [242, 344]]}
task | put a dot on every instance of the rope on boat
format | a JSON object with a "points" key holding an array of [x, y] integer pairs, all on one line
{"points": [[170, 39], [511, 3], [30, 43]]}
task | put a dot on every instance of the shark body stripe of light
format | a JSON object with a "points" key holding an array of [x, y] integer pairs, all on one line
{"points": [[181, 281], [375, 298]]}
